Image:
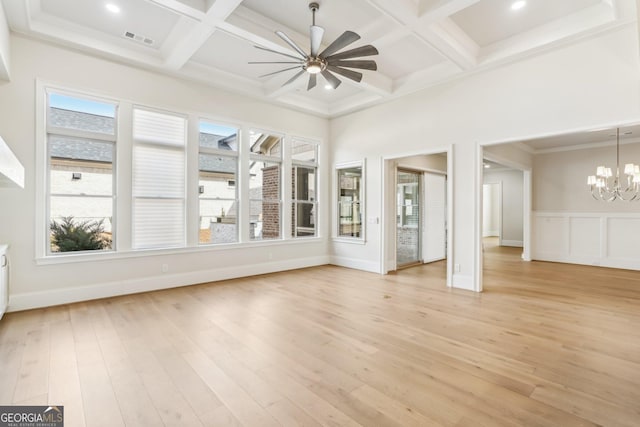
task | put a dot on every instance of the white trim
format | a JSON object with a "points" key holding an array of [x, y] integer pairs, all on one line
{"points": [[357, 264], [464, 282], [91, 256], [476, 271], [512, 243], [50, 298]]}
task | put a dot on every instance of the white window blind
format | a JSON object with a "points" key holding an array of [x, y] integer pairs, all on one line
{"points": [[158, 128], [158, 180]]}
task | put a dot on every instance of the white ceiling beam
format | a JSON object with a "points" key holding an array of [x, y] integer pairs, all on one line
{"points": [[436, 10], [180, 8], [430, 23], [403, 12], [188, 36], [452, 43]]}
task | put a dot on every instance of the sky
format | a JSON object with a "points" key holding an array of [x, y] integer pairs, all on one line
{"points": [[83, 105], [109, 110]]}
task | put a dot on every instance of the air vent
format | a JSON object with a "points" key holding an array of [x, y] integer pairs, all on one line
{"points": [[139, 38]]}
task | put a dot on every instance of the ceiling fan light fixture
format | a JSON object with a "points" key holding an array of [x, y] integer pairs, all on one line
{"points": [[315, 66]]}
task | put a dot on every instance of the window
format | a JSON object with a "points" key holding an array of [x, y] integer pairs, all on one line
{"points": [[81, 141], [350, 197], [218, 170], [158, 179], [265, 182], [304, 188], [241, 173]]}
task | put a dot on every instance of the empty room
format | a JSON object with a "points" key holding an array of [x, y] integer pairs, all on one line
{"points": [[330, 213]]}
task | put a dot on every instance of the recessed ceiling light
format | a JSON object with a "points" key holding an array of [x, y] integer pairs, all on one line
{"points": [[328, 86], [113, 8], [519, 4], [487, 166]]}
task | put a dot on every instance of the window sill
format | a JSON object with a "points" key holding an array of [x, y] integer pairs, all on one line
{"points": [[142, 253], [352, 240]]}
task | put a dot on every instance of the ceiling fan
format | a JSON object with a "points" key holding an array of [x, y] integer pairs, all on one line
{"points": [[328, 62]]}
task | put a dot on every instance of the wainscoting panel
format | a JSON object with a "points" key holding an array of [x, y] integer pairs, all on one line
{"points": [[624, 238], [584, 237], [549, 232], [604, 239]]}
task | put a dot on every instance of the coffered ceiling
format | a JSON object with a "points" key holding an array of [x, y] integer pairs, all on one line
{"points": [[421, 42]]}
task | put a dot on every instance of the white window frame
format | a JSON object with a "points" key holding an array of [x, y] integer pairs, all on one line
{"points": [[223, 153], [294, 201], [44, 129], [268, 159]]}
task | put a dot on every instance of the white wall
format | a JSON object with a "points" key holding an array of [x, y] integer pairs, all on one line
{"points": [[592, 83], [34, 284], [512, 204]]}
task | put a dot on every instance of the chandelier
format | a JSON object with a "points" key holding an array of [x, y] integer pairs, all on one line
{"points": [[606, 187]]}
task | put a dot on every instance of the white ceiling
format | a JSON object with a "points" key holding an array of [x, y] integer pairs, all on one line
{"points": [[421, 42]]}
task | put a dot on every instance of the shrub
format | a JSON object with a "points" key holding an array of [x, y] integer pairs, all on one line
{"points": [[69, 235]]}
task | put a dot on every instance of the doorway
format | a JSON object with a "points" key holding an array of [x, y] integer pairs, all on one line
{"points": [[434, 194], [492, 210]]}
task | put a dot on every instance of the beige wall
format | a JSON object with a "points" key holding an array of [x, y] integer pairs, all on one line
{"points": [[512, 203], [560, 179]]}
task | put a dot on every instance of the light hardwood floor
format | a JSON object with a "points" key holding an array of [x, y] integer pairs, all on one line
{"points": [[544, 345]]}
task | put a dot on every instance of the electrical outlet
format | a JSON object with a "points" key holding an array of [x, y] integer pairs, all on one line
{"points": [[165, 268], [456, 267]]}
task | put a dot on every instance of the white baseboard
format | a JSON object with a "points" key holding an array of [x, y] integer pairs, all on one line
{"points": [[491, 233], [623, 263], [27, 301], [357, 264], [463, 282], [512, 243]]}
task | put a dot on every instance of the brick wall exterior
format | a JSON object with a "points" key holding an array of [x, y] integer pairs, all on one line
{"points": [[270, 206]]}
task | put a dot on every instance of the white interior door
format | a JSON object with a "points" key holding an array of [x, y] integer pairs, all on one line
{"points": [[434, 237]]}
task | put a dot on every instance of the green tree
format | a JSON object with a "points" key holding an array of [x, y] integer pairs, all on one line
{"points": [[69, 235]]}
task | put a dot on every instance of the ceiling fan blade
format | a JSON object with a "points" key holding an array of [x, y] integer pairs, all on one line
{"points": [[313, 79], [294, 78], [275, 62], [281, 71], [291, 43], [315, 34], [331, 79], [341, 42], [275, 51], [358, 52], [350, 74], [363, 64]]}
